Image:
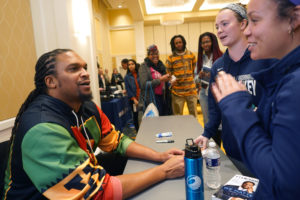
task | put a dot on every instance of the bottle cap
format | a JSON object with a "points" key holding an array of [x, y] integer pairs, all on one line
{"points": [[212, 144], [192, 150]]}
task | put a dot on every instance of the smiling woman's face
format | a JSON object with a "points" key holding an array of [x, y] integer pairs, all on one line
{"points": [[268, 35], [206, 44], [154, 56]]}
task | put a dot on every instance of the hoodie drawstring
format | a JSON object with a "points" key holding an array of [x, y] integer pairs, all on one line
{"points": [[84, 130]]}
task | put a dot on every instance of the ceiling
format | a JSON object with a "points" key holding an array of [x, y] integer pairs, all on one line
{"points": [[151, 11]]}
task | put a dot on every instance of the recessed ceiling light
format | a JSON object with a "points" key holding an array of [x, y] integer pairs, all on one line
{"points": [[207, 5], [120, 6], [171, 19], [168, 6], [244, 2]]}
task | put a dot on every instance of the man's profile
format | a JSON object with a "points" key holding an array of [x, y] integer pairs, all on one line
{"points": [[56, 133]]}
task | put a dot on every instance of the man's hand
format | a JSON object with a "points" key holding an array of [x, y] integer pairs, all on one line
{"points": [[201, 141], [173, 80], [174, 167], [170, 153]]}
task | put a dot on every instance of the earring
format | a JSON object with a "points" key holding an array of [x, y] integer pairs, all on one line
{"points": [[290, 31]]}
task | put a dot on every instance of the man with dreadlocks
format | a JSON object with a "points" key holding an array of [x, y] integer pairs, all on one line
{"points": [[56, 132], [181, 64]]}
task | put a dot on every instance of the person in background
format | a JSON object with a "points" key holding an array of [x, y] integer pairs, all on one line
{"points": [[102, 79], [153, 71], [56, 133], [106, 74], [132, 86], [208, 52], [124, 63], [231, 21], [181, 64], [116, 78], [124, 67], [269, 137]]}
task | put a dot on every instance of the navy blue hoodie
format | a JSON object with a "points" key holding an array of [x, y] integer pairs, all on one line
{"points": [[241, 70], [269, 138]]}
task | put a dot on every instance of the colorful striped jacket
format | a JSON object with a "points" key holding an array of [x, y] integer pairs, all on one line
{"points": [[50, 156], [182, 67]]}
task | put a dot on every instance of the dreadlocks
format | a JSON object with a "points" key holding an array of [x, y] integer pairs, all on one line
{"points": [[45, 66]]}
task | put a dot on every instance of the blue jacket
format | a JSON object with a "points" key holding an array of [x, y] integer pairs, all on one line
{"points": [[269, 138], [241, 71], [130, 85]]}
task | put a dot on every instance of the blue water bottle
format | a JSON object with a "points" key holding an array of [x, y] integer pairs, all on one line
{"points": [[194, 187]]}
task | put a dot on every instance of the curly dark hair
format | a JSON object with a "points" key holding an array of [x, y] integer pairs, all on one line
{"points": [[125, 61], [45, 66]]}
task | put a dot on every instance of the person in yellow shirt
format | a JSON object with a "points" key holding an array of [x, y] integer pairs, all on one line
{"points": [[181, 65]]}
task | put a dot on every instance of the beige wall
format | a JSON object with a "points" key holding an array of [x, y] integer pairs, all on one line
{"points": [[17, 55], [120, 17], [122, 42], [103, 46], [122, 36]]}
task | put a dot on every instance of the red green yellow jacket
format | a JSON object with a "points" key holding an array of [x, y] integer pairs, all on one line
{"points": [[51, 157]]}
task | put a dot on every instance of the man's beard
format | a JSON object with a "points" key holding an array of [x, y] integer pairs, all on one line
{"points": [[180, 50], [85, 97]]}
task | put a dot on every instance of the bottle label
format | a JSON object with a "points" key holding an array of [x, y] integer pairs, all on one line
{"points": [[212, 162]]}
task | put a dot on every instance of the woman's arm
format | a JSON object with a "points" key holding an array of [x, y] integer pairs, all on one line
{"points": [[269, 144]]}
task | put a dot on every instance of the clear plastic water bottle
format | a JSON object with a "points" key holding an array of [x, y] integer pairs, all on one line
{"points": [[212, 158]]}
